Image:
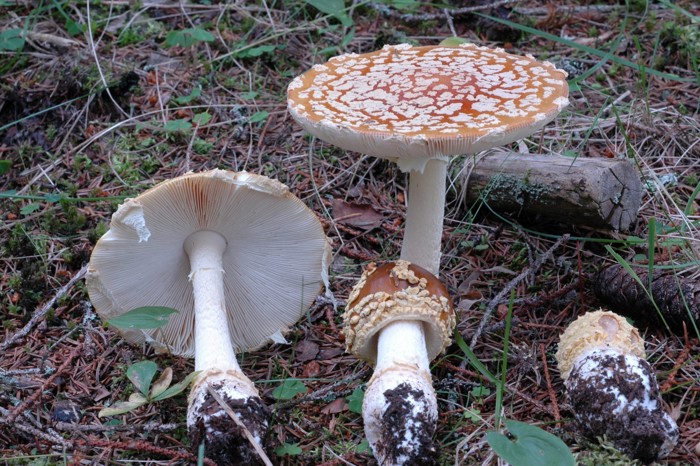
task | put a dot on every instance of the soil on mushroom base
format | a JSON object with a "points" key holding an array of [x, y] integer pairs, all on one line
{"points": [[226, 440], [405, 418], [617, 407]]}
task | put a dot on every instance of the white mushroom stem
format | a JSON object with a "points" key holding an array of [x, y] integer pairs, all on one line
{"points": [[422, 238], [400, 407], [207, 420], [213, 349], [402, 358]]}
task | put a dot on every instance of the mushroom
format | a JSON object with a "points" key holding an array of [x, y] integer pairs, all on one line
{"points": [[419, 106], [399, 401], [612, 388], [241, 258]]}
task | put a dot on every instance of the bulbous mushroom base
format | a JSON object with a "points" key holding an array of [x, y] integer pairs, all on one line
{"points": [[616, 395], [400, 417], [225, 440]]}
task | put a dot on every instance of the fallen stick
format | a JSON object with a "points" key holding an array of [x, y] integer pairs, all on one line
{"points": [[597, 192]]}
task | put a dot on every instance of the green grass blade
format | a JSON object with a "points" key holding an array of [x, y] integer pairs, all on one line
{"points": [[474, 361], [585, 48], [651, 249]]}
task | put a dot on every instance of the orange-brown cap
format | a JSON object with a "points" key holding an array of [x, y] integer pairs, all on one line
{"points": [[411, 104], [392, 292]]}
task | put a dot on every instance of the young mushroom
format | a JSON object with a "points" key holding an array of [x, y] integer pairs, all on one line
{"points": [[612, 388], [419, 106], [241, 258], [399, 401]]}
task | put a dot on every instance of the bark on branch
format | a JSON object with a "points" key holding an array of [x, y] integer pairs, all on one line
{"points": [[601, 193]]}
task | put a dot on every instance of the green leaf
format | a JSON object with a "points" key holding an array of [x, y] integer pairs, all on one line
{"points": [[529, 446], [177, 388], [288, 449], [141, 374], [143, 317], [120, 407], [5, 166], [259, 116], [188, 37], [288, 389], [201, 119], [29, 208], [472, 414], [335, 8], [177, 125], [255, 51], [250, 95], [186, 99], [452, 41], [73, 28], [355, 400], [11, 40], [474, 361], [363, 447]]}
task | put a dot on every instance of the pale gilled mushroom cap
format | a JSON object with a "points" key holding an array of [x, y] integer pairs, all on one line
{"points": [[393, 292], [599, 330], [412, 104], [274, 264]]}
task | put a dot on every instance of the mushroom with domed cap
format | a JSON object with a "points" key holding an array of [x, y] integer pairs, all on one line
{"points": [[241, 258], [420, 106], [612, 388]]}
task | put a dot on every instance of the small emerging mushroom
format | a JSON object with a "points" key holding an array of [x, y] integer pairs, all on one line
{"points": [[241, 258], [420, 106], [399, 405], [612, 388]]}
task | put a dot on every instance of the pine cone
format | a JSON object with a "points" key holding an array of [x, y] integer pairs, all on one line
{"points": [[677, 298]]}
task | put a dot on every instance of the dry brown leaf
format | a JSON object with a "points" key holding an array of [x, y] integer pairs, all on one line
{"points": [[357, 215]]}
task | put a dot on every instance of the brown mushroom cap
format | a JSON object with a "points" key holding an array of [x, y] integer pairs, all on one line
{"points": [[597, 330], [412, 104], [397, 291]]}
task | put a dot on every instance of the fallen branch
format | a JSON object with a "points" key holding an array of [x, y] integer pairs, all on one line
{"points": [[596, 192], [40, 313], [37, 394], [500, 297]]}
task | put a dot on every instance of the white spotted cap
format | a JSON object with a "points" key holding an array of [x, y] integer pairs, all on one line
{"points": [[411, 104], [274, 264]]}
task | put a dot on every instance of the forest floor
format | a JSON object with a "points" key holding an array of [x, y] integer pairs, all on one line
{"points": [[160, 88]]}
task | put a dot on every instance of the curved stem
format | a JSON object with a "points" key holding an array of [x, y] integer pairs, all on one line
{"points": [[212, 344]]}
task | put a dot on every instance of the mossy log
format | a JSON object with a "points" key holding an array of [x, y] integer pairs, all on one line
{"points": [[677, 298], [601, 193]]}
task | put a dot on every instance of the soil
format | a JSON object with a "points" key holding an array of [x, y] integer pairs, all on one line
{"points": [[404, 419], [610, 401], [223, 438]]}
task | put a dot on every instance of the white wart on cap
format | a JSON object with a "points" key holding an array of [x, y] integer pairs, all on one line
{"points": [[412, 104]]}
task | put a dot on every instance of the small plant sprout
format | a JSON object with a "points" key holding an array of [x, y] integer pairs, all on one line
{"points": [[240, 258], [420, 106], [141, 375], [612, 388], [400, 400]]}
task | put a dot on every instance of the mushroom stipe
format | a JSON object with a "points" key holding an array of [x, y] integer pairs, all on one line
{"points": [[241, 259]]}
